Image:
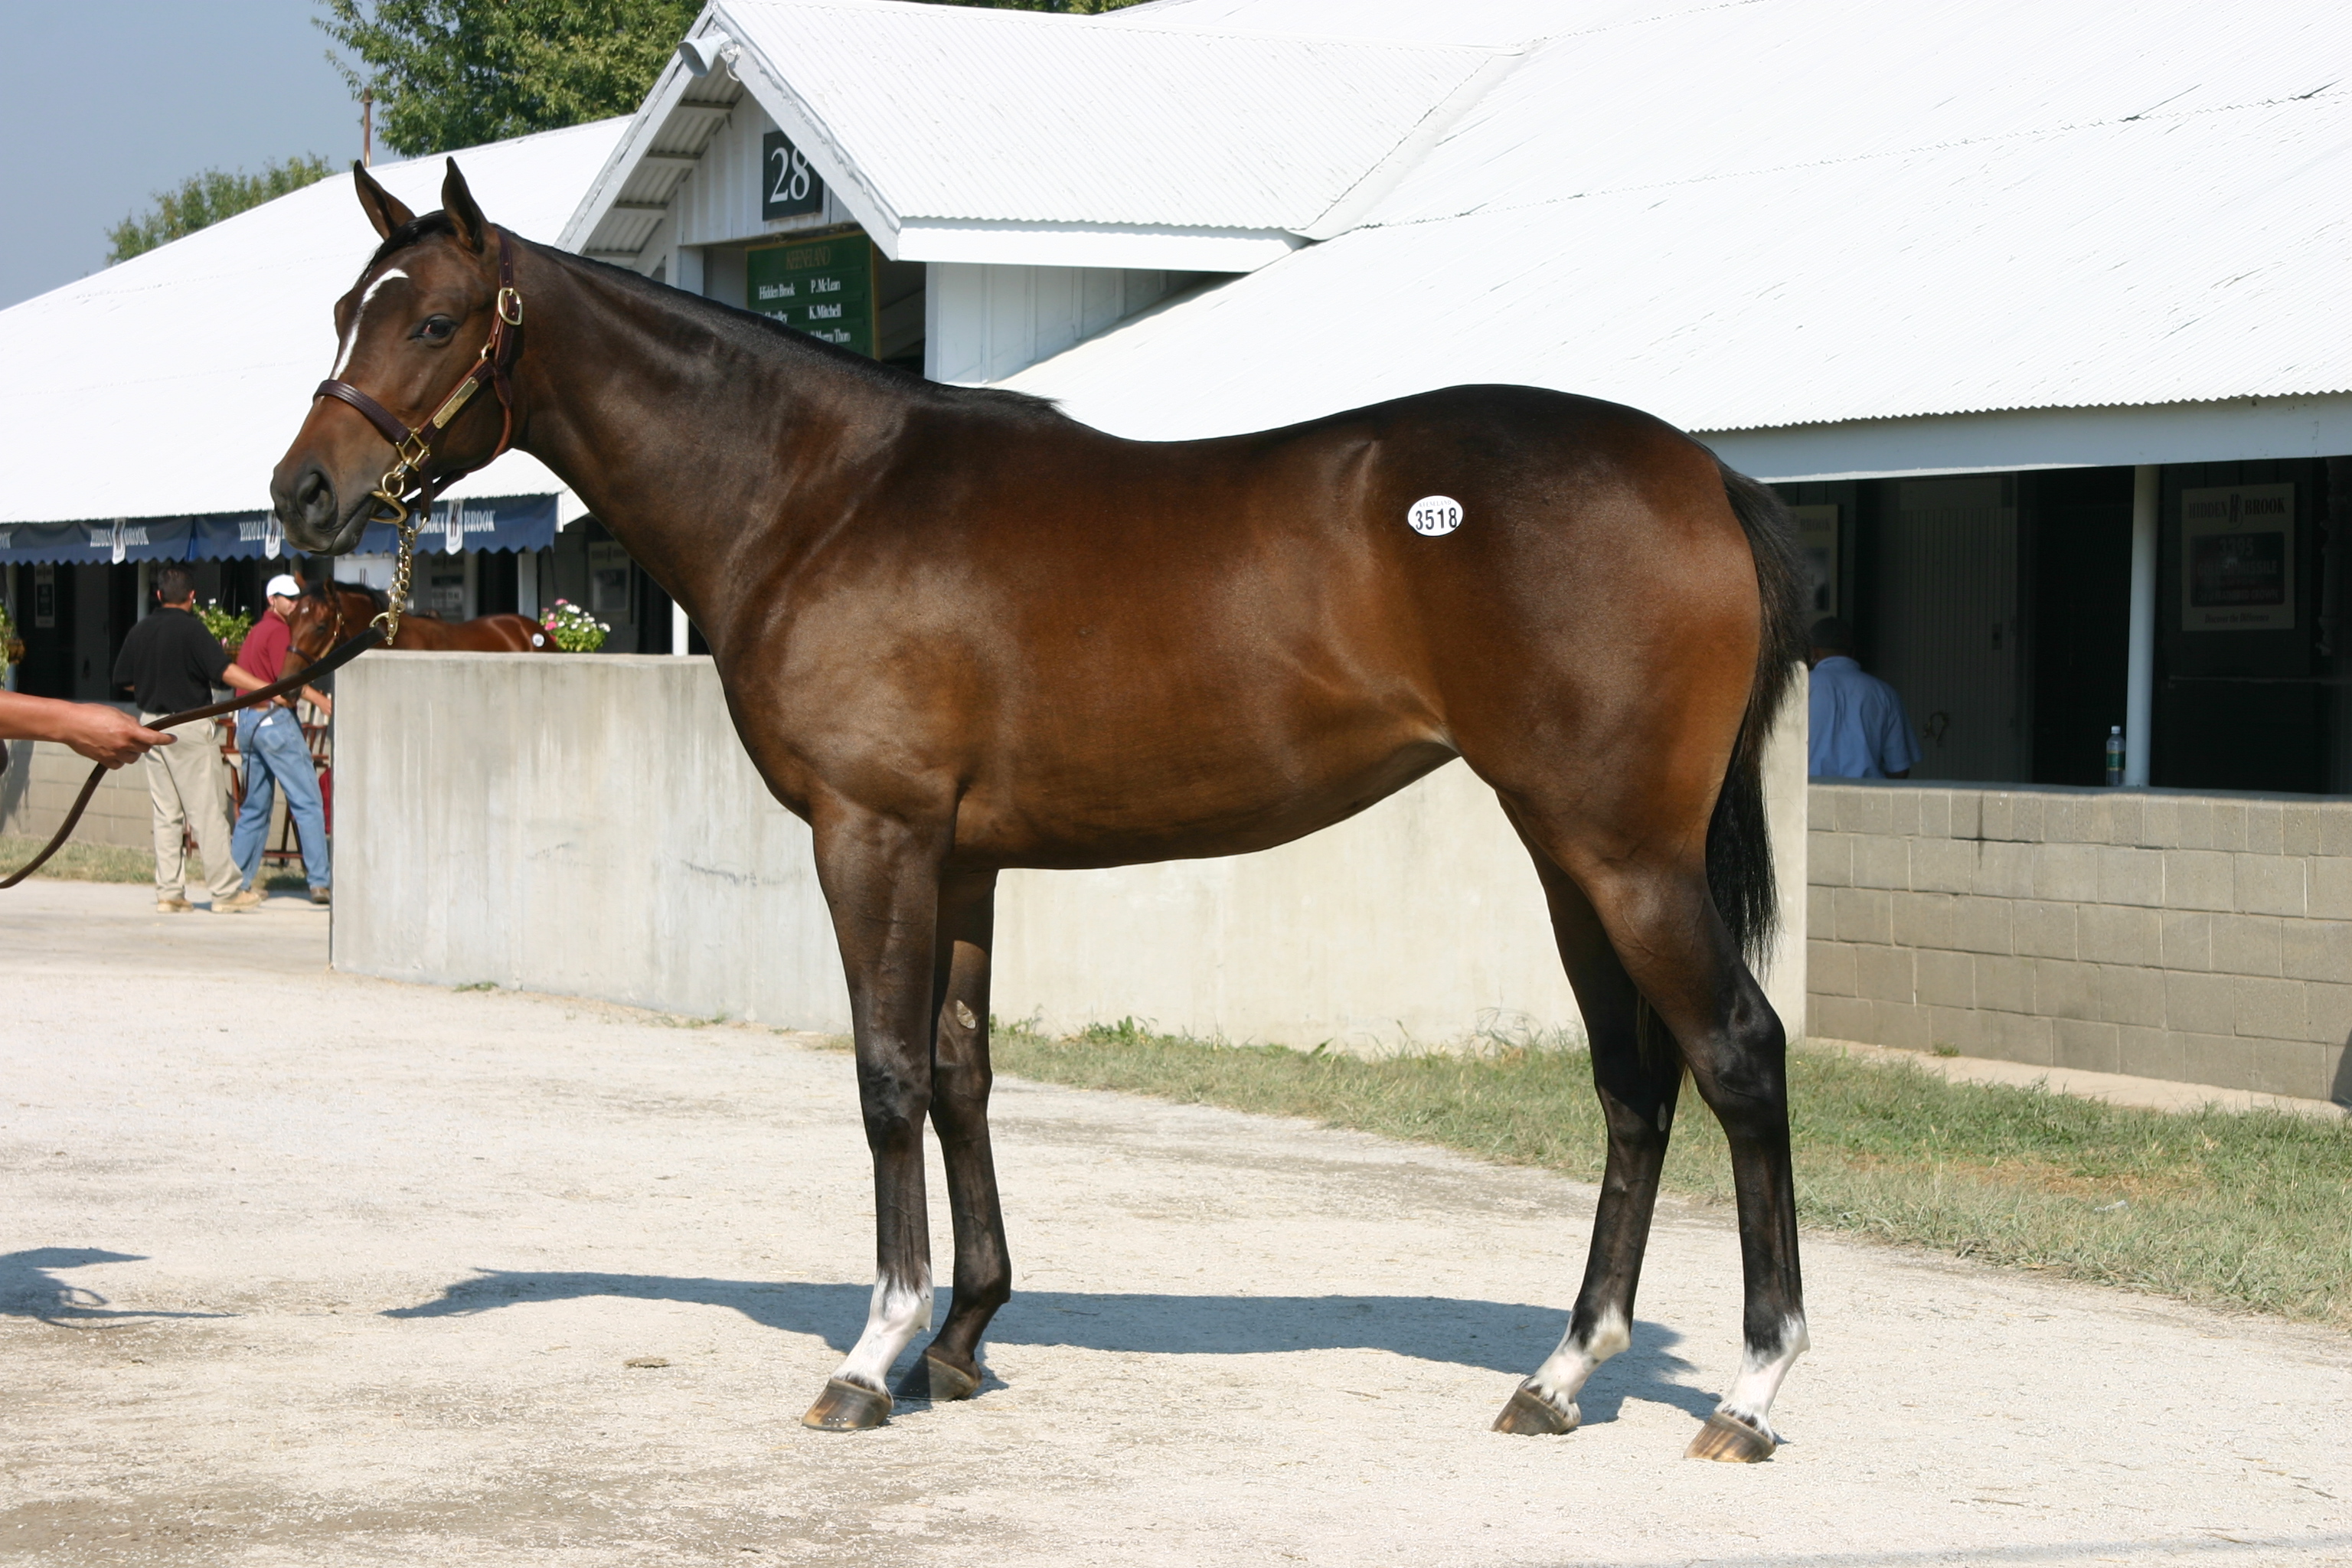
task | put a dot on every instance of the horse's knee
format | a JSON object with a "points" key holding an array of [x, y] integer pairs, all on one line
{"points": [[894, 1111]]}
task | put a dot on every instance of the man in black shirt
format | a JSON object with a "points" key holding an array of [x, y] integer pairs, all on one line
{"points": [[171, 663]]}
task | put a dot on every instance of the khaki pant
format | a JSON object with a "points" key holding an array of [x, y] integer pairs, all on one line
{"points": [[189, 784]]}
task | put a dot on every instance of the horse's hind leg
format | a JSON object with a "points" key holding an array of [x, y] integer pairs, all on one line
{"points": [[960, 1082], [1637, 1083], [1663, 924]]}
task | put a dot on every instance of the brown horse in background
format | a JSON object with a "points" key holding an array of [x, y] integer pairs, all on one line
{"points": [[959, 631], [327, 613]]}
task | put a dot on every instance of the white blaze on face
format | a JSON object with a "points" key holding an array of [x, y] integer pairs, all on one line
{"points": [[352, 337], [895, 1316], [1751, 1393]]}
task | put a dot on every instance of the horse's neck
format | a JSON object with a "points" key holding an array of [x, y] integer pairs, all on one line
{"points": [[623, 391]]}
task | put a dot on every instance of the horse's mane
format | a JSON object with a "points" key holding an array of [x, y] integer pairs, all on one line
{"points": [[764, 335], [381, 599], [740, 328]]}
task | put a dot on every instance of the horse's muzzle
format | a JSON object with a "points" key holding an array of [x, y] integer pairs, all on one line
{"points": [[307, 509]]}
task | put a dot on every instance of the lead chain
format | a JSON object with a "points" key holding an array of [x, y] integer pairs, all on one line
{"points": [[390, 617]]}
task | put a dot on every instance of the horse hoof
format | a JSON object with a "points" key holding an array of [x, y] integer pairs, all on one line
{"points": [[847, 1407], [936, 1378], [1531, 1414], [1727, 1438], [950, 1381]]}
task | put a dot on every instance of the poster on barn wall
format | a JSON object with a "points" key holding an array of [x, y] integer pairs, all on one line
{"points": [[2237, 558], [823, 287], [1817, 546]]}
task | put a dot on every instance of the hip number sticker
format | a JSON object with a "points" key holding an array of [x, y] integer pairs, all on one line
{"points": [[1434, 515]]}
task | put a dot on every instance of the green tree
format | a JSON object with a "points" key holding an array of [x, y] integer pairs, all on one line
{"points": [[205, 199], [457, 73]]}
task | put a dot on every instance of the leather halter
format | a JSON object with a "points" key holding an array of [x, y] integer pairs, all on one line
{"points": [[406, 488]]}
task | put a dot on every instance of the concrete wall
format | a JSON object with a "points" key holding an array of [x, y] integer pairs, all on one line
{"points": [[40, 788], [2206, 939], [589, 825]]}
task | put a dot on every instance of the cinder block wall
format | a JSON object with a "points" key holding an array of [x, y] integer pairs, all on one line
{"points": [[2202, 938], [40, 787]]}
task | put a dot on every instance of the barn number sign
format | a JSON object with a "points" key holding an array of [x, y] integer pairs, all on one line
{"points": [[788, 186]]}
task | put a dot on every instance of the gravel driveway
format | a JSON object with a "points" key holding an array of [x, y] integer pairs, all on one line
{"points": [[303, 1268]]}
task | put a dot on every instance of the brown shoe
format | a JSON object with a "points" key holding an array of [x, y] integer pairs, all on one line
{"points": [[174, 905], [321, 896], [239, 902]]}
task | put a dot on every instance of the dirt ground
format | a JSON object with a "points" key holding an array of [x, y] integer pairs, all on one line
{"points": [[300, 1269]]}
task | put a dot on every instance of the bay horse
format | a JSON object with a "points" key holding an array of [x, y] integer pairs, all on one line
{"points": [[959, 631], [327, 613]]}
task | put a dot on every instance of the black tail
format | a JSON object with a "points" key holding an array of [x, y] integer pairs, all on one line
{"points": [[1739, 844]]}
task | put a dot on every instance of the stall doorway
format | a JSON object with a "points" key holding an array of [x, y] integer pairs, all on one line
{"points": [[1948, 627]]}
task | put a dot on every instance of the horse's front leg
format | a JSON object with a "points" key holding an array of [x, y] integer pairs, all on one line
{"points": [[881, 878], [950, 1367]]}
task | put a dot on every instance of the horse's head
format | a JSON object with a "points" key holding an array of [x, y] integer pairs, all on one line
{"points": [[311, 626], [407, 334]]}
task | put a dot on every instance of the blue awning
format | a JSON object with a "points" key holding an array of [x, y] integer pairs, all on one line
{"points": [[60, 543], [252, 537], [504, 523], [501, 522]]}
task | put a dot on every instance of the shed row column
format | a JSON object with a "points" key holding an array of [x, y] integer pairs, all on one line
{"points": [[2139, 681]]}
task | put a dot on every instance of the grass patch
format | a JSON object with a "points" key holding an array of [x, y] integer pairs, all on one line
{"points": [[2250, 1210], [84, 862]]}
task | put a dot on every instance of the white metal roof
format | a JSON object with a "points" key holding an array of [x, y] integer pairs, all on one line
{"points": [[960, 134], [1488, 22], [192, 366], [1789, 211]]}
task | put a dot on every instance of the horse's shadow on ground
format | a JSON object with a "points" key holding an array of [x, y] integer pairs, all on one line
{"points": [[29, 1288], [1497, 1336]]}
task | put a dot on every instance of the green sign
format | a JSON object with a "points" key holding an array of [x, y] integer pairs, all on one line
{"points": [[823, 287]]}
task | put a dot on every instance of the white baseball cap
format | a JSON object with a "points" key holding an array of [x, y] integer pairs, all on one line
{"points": [[282, 583]]}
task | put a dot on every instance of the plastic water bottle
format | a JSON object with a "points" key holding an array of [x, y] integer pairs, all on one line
{"points": [[2116, 754]]}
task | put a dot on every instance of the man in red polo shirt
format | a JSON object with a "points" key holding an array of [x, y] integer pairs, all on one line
{"points": [[275, 756]]}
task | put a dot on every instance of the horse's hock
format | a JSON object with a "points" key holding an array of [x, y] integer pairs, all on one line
{"points": [[620, 845]]}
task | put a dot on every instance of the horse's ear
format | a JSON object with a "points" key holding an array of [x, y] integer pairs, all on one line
{"points": [[465, 217], [384, 209]]}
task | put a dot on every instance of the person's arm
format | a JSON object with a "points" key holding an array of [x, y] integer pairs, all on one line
{"points": [[1900, 744], [102, 734], [242, 679], [321, 700]]}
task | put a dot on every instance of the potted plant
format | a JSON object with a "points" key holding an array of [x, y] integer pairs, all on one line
{"points": [[229, 628], [574, 629]]}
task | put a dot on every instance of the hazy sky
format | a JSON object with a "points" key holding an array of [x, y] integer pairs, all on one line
{"points": [[104, 102]]}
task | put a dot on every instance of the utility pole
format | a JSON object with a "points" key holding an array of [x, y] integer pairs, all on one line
{"points": [[367, 127]]}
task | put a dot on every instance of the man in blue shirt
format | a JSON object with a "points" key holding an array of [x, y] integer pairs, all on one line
{"points": [[1859, 729]]}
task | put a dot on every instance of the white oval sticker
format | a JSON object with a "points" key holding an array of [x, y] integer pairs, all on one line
{"points": [[1434, 515]]}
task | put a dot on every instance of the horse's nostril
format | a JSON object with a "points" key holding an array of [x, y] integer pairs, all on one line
{"points": [[314, 498]]}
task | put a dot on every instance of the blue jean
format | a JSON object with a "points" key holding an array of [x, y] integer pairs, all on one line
{"points": [[277, 756]]}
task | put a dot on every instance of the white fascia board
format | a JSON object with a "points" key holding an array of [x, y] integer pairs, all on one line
{"points": [[2237, 430], [799, 121], [635, 143], [1145, 245]]}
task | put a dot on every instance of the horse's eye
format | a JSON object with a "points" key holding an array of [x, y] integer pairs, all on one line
{"points": [[436, 329]]}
